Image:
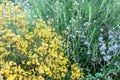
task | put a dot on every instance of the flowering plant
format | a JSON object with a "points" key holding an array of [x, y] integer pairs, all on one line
{"points": [[31, 55]]}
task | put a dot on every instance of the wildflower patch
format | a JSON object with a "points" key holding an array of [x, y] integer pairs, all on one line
{"points": [[31, 55]]}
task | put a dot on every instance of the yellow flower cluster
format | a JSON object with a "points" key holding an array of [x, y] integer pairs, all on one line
{"points": [[31, 55], [12, 15], [76, 72]]}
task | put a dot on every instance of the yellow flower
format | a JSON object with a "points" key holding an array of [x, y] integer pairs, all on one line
{"points": [[76, 72]]}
